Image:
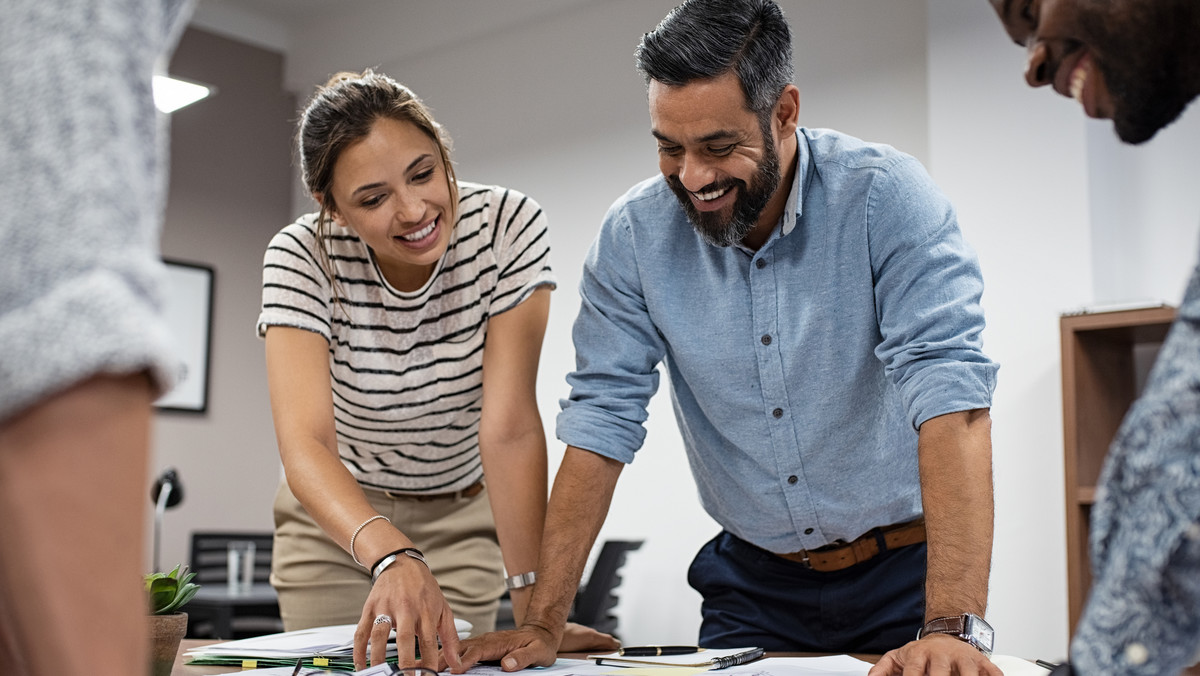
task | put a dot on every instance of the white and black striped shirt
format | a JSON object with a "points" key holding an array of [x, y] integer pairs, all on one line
{"points": [[406, 368]]}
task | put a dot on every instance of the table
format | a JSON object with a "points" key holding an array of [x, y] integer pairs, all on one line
{"points": [[181, 669], [217, 604]]}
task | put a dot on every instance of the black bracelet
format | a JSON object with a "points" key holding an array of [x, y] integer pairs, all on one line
{"points": [[390, 558]]}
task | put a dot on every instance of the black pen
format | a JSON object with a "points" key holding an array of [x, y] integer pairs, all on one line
{"points": [[656, 650], [299, 662]]}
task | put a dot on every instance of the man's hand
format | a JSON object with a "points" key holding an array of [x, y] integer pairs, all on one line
{"points": [[578, 639], [531, 646], [516, 649], [579, 502], [935, 655]]}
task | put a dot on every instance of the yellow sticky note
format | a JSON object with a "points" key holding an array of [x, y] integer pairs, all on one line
{"points": [[320, 661], [249, 664]]}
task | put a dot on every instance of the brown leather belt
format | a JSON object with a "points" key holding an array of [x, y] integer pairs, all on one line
{"points": [[468, 492], [868, 545]]}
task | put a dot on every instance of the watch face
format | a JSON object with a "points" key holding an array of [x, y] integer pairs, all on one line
{"points": [[981, 631]]}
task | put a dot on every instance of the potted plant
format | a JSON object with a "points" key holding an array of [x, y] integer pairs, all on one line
{"points": [[168, 592]]}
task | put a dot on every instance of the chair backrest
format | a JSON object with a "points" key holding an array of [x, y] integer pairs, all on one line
{"points": [[209, 555], [596, 599]]}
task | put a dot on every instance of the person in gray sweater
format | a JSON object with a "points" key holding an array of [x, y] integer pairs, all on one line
{"points": [[85, 347]]}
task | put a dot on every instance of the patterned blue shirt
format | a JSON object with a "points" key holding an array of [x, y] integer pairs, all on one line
{"points": [[1143, 615], [800, 372]]}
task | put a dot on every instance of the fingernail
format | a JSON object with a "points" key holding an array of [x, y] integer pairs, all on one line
{"points": [[510, 663]]}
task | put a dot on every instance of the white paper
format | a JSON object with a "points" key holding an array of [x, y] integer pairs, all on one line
{"points": [[326, 641]]}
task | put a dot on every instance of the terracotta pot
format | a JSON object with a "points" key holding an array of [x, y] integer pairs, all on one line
{"points": [[166, 631]]}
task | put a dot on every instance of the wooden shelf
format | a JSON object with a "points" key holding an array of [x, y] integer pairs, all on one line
{"points": [[1105, 358]]}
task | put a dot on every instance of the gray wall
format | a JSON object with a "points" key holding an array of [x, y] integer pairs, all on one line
{"points": [[230, 191]]}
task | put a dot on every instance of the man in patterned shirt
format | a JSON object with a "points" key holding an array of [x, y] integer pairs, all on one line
{"points": [[1136, 62]]}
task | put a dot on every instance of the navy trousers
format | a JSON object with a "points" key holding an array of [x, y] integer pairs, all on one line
{"points": [[754, 598]]}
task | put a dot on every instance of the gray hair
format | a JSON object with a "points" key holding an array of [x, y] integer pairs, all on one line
{"points": [[703, 39]]}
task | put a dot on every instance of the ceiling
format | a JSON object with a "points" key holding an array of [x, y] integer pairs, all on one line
{"points": [[268, 22], [314, 33]]}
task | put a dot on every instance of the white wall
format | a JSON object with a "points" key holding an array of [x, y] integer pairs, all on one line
{"points": [[542, 96], [1013, 161], [1144, 223]]}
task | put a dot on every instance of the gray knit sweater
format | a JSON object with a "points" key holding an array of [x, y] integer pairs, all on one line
{"points": [[82, 166]]}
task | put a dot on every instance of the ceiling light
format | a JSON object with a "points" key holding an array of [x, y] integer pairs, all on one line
{"points": [[171, 94]]}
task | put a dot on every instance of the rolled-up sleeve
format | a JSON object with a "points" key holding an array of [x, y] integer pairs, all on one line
{"points": [[928, 287], [617, 351], [82, 286]]}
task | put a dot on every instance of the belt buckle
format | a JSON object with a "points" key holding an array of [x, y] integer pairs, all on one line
{"points": [[804, 559]]}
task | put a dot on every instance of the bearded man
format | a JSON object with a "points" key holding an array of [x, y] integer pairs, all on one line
{"points": [[818, 314]]}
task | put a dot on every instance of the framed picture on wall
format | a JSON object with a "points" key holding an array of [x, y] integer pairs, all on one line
{"points": [[189, 311]]}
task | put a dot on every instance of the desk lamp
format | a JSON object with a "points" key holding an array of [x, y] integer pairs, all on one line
{"points": [[167, 492]]}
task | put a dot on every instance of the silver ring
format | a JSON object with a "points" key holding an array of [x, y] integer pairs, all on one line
{"points": [[383, 619]]}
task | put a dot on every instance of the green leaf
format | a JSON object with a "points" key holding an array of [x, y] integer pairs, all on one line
{"points": [[162, 594], [167, 592]]}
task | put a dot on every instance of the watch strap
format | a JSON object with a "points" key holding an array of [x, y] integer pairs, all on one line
{"points": [[945, 625]]}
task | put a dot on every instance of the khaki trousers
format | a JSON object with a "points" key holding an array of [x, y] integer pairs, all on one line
{"points": [[320, 585]]}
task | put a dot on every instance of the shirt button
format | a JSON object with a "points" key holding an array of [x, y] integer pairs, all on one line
{"points": [[793, 479], [808, 531], [778, 413], [1136, 654], [760, 264], [766, 339]]}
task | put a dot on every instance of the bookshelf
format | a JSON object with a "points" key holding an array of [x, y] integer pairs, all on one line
{"points": [[1105, 359]]}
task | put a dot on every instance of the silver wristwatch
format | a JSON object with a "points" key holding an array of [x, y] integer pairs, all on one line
{"points": [[967, 627]]}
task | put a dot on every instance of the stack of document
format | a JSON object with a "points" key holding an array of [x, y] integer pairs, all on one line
{"points": [[321, 647]]}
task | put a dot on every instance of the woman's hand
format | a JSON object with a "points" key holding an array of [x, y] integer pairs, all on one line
{"points": [[407, 593]]}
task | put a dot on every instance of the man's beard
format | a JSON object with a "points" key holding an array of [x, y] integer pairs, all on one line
{"points": [[1151, 80], [750, 202]]}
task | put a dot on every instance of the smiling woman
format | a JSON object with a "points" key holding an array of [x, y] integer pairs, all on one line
{"points": [[391, 189], [403, 326]]}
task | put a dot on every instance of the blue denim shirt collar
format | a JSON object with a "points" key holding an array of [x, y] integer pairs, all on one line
{"points": [[794, 207]]}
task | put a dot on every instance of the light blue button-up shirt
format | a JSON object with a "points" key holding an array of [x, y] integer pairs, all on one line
{"points": [[798, 373]]}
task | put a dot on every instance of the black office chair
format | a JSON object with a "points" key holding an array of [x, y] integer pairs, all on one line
{"points": [[209, 560], [596, 598]]}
